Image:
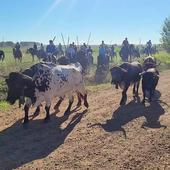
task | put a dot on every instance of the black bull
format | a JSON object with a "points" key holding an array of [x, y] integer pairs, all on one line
{"points": [[125, 75]]}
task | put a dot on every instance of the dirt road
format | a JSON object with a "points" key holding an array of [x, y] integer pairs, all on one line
{"points": [[105, 136]]}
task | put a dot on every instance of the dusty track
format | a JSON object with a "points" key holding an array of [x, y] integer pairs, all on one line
{"points": [[103, 137]]}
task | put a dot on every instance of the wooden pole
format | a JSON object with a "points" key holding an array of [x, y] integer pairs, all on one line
{"points": [[63, 41], [89, 39]]}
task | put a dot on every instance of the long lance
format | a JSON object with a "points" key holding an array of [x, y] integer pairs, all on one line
{"points": [[88, 39], [63, 42], [54, 38], [68, 41], [77, 42]]}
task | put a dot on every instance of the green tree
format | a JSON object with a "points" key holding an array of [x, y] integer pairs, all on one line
{"points": [[166, 35]]}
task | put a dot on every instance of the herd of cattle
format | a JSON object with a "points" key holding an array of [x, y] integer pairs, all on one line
{"points": [[46, 81]]}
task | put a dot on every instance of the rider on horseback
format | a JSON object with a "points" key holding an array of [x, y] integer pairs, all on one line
{"points": [[51, 47], [17, 46], [89, 50], [35, 46], [125, 42], [41, 47], [102, 49], [71, 52], [149, 47], [17, 52], [149, 44]]}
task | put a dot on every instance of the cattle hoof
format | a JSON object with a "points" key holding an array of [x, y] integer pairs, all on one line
{"points": [[47, 119], [25, 121]]}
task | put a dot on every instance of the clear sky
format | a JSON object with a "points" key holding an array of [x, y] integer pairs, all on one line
{"points": [[109, 20]]}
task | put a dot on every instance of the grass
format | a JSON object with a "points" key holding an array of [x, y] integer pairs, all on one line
{"points": [[98, 87], [4, 105], [9, 65]]}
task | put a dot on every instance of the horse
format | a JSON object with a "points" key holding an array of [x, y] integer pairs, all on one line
{"points": [[2, 55], [41, 54], [133, 52], [124, 53], [150, 50], [102, 68], [17, 54], [82, 58], [112, 54]]}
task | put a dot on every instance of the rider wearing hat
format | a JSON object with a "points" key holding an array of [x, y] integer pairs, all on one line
{"points": [[125, 42], [17, 46], [51, 47]]}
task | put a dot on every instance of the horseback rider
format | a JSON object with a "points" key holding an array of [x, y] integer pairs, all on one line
{"points": [[89, 50], [35, 46], [17, 52], [102, 49], [84, 48], [113, 49], [149, 47], [51, 47], [125, 42], [149, 44], [71, 51], [17, 46], [75, 47], [41, 47]]}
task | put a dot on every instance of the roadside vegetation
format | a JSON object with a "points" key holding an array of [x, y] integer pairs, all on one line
{"points": [[9, 65]]}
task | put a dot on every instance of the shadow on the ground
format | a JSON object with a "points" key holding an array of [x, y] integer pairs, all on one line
{"points": [[19, 145], [134, 110]]}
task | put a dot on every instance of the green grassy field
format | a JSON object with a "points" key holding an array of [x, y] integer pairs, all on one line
{"points": [[9, 65]]}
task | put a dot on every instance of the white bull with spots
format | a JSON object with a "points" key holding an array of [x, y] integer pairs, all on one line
{"points": [[47, 84]]}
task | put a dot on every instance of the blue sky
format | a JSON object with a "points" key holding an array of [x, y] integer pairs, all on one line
{"points": [[109, 20]]}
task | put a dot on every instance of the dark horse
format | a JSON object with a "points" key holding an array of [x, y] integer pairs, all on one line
{"points": [[17, 54], [83, 58], [102, 68], [133, 52], [2, 55], [150, 50], [41, 54], [124, 53]]}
